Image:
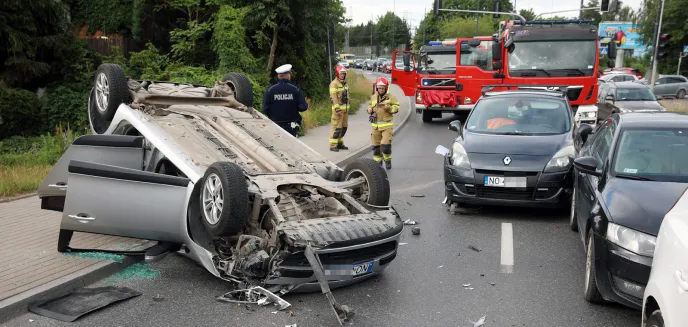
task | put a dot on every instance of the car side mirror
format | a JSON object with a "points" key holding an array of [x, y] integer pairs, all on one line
{"points": [[497, 51], [609, 98], [584, 132], [407, 59], [587, 165], [473, 43], [455, 126]]}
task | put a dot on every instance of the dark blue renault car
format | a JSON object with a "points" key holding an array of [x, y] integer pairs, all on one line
{"points": [[515, 149]]}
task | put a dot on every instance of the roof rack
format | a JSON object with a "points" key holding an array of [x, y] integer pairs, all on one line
{"points": [[552, 22], [551, 88]]}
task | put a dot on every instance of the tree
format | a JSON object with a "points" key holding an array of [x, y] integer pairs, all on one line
{"points": [[465, 27], [528, 14], [392, 31], [673, 23]]}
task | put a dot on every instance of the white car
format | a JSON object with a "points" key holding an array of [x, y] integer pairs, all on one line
{"points": [[666, 296]]}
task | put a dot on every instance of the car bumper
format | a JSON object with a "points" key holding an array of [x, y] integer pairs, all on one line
{"points": [[337, 264], [549, 190], [461, 108], [621, 275]]}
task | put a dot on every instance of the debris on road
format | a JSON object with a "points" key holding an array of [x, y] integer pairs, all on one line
{"points": [[342, 312], [417, 195], [466, 285], [480, 322], [255, 295], [474, 248], [409, 203], [440, 266], [441, 150], [415, 231], [158, 298], [410, 222], [294, 325], [491, 283], [80, 302]]}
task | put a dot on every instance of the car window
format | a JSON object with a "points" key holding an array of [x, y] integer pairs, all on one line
{"points": [[602, 143], [662, 80], [520, 115], [480, 56], [634, 94], [676, 80], [654, 153]]}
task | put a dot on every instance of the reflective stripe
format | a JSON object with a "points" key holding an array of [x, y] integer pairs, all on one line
{"points": [[334, 141], [387, 157], [377, 158], [379, 125]]}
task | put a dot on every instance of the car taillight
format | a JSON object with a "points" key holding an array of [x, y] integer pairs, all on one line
{"points": [[419, 99]]}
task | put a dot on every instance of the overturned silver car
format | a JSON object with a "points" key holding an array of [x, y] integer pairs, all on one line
{"points": [[202, 172]]}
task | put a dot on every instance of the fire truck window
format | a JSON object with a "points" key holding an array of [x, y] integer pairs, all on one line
{"points": [[480, 56], [556, 58], [438, 61]]}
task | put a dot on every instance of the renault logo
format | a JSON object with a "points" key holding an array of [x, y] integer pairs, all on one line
{"points": [[507, 160]]}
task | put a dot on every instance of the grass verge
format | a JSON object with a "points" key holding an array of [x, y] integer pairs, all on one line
{"points": [[677, 105], [26, 161]]}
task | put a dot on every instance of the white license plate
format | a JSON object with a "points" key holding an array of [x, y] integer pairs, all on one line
{"points": [[363, 268], [502, 181]]}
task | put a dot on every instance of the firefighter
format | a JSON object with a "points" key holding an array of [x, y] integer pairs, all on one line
{"points": [[339, 94], [283, 101], [382, 107]]}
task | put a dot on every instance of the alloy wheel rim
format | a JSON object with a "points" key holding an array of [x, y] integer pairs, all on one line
{"points": [[102, 92], [363, 189], [213, 199]]}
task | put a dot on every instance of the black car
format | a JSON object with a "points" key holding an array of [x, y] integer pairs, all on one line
{"points": [[628, 174], [627, 96], [515, 149]]}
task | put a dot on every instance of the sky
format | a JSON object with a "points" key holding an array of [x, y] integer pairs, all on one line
{"points": [[362, 11]]}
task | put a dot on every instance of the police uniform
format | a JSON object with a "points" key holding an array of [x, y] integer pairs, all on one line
{"points": [[283, 101], [339, 95], [381, 109]]}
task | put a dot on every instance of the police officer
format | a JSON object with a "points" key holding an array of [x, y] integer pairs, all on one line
{"points": [[382, 107], [283, 101], [339, 94]]}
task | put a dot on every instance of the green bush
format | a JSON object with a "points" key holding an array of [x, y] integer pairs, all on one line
{"points": [[20, 113], [66, 105]]}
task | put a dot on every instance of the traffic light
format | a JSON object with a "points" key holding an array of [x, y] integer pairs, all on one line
{"points": [[604, 6], [662, 47], [497, 8], [438, 5]]}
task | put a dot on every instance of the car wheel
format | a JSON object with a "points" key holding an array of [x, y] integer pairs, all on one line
{"points": [[375, 190], [241, 85], [224, 199], [592, 293], [681, 94], [573, 220], [427, 116], [111, 90], [655, 319]]}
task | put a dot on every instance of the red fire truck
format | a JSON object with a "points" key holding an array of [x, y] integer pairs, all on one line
{"points": [[543, 54]]}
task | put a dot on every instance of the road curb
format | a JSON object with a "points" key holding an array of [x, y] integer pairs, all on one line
{"points": [[358, 152], [18, 197], [17, 305]]}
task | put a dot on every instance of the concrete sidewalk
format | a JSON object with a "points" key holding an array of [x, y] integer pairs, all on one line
{"points": [[33, 269]]}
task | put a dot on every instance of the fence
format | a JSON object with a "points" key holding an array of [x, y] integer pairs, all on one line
{"points": [[372, 52]]}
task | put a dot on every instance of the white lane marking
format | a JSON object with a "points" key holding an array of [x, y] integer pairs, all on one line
{"points": [[417, 187], [507, 261]]}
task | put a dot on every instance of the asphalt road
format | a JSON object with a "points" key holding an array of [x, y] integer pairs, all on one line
{"points": [[423, 286]]}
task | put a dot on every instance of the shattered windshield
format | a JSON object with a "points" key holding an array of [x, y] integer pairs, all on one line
{"points": [[548, 58], [519, 116], [431, 62]]}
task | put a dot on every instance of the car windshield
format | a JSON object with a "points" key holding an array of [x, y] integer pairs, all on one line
{"points": [[432, 61], [553, 58], [655, 154], [634, 94], [349, 57], [520, 116]]}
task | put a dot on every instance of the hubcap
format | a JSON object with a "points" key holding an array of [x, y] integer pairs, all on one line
{"points": [[363, 193], [102, 92], [588, 264], [213, 199], [681, 94]]}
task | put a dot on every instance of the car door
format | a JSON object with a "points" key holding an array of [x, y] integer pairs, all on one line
{"points": [[112, 200], [661, 86], [406, 80], [474, 69], [117, 150], [605, 107], [587, 184]]}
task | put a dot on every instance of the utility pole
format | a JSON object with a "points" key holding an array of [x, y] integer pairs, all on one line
{"points": [[653, 78], [371, 36], [680, 55], [329, 55], [580, 15], [425, 23], [476, 19], [394, 15]]}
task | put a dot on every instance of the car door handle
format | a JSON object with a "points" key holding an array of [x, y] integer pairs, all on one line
{"points": [[57, 185], [83, 219], [681, 282]]}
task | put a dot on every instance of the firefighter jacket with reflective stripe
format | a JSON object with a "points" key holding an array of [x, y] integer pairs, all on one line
{"points": [[339, 94], [384, 113]]}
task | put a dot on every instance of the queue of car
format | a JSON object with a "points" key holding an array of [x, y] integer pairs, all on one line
{"points": [[619, 180]]}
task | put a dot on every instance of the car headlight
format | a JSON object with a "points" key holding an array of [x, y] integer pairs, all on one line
{"points": [[631, 240], [561, 160], [589, 114], [459, 156]]}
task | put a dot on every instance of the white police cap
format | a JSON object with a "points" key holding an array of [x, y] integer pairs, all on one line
{"points": [[284, 69]]}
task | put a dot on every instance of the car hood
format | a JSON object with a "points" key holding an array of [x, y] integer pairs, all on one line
{"points": [[544, 145], [639, 105], [640, 205]]}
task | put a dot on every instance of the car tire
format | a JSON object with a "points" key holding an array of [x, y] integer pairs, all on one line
{"points": [[111, 90], [377, 182], [224, 190], [427, 117], [242, 87], [655, 319], [573, 220], [592, 293], [681, 94]]}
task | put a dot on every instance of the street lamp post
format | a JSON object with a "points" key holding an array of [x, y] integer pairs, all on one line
{"points": [[653, 78]]}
